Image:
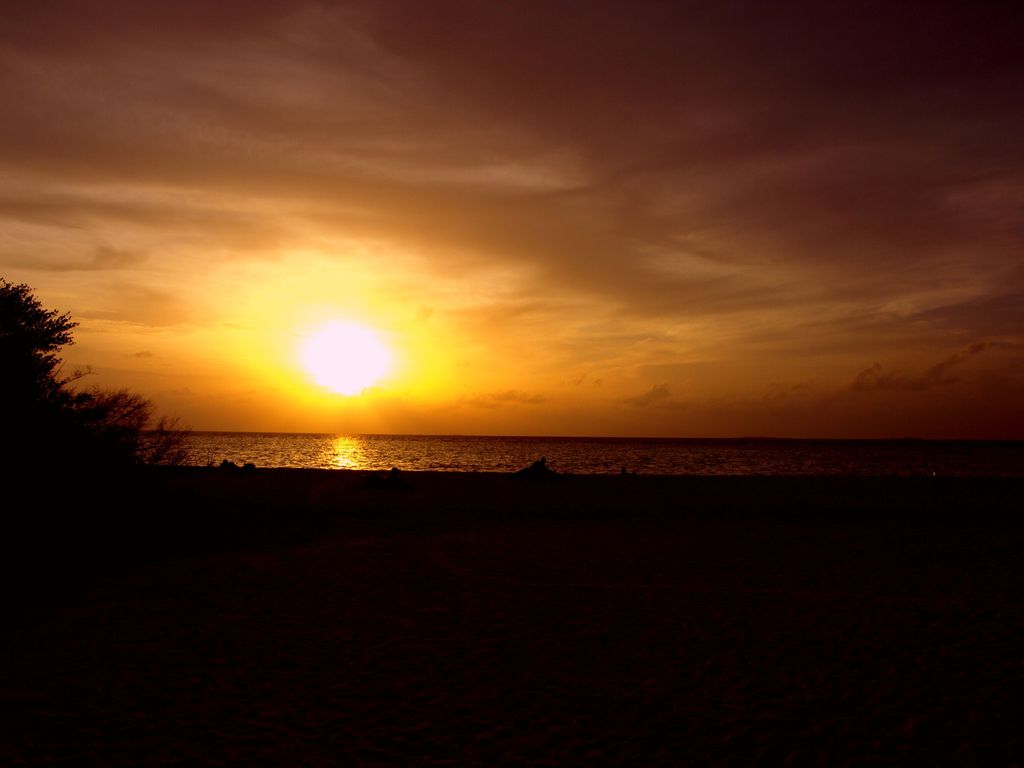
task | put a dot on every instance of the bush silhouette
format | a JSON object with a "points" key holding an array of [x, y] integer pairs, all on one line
{"points": [[46, 418]]}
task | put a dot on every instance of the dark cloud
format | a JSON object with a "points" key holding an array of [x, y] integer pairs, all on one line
{"points": [[874, 378], [499, 399], [102, 258], [76, 27], [997, 314], [585, 379], [844, 141], [781, 392], [658, 396]]}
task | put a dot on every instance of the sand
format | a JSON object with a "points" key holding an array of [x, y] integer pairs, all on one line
{"points": [[304, 618]]}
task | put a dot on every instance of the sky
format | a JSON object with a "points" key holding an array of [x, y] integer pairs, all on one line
{"points": [[708, 219]]}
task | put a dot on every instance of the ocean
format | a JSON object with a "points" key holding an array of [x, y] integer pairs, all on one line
{"points": [[585, 455]]}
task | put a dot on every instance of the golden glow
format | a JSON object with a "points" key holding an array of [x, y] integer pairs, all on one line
{"points": [[345, 358], [348, 453]]}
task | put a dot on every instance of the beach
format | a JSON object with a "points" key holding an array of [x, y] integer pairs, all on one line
{"points": [[304, 617]]}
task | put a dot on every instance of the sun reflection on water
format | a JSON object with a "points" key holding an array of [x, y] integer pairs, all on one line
{"points": [[348, 453]]}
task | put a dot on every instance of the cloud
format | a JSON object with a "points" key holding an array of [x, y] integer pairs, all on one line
{"points": [[584, 379], [737, 180], [142, 354], [874, 378], [658, 396], [142, 306], [779, 392], [996, 313], [103, 258], [397, 121], [500, 399]]}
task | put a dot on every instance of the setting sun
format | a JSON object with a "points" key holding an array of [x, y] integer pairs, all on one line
{"points": [[345, 358]]}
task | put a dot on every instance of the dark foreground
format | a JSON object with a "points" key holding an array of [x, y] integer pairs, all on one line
{"points": [[304, 618]]}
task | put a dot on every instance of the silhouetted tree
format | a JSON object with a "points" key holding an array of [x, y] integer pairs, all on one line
{"points": [[43, 417], [32, 394]]}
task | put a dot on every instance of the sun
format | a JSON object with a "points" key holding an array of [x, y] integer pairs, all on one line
{"points": [[345, 358]]}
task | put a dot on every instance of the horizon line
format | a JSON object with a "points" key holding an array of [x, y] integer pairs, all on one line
{"points": [[764, 438]]}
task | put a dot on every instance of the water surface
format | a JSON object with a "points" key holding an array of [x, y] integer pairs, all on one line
{"points": [[754, 456]]}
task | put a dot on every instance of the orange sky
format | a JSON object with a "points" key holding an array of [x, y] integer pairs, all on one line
{"points": [[600, 218]]}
